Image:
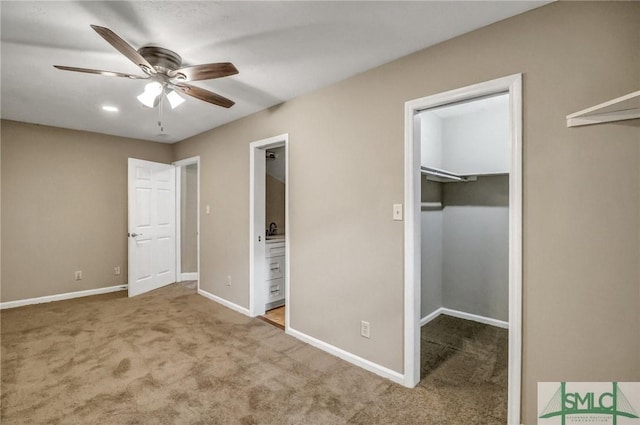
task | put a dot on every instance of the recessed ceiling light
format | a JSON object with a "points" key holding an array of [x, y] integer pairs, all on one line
{"points": [[109, 108]]}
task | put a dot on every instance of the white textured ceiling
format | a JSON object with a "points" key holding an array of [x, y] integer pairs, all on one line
{"points": [[282, 50]]}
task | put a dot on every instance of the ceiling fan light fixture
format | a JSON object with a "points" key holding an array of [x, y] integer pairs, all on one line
{"points": [[175, 99], [165, 68], [147, 100], [149, 97]]}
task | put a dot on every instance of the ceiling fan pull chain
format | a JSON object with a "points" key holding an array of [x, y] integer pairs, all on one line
{"points": [[160, 112]]}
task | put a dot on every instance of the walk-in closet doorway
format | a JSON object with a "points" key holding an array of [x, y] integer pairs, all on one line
{"points": [[463, 191]]}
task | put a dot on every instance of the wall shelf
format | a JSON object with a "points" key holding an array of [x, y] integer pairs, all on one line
{"points": [[622, 108]]}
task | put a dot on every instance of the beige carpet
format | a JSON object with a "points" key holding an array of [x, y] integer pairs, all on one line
{"points": [[466, 362], [174, 357]]}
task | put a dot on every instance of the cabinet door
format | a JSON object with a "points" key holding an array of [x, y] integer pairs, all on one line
{"points": [[275, 268]]}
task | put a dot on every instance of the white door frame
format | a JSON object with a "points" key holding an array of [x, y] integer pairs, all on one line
{"points": [[257, 180], [179, 165], [412, 267]]}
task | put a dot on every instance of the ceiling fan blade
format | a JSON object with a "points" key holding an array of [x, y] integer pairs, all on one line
{"points": [[207, 71], [97, 71], [124, 48], [204, 95]]}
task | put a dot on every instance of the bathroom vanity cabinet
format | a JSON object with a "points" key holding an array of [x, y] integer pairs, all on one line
{"points": [[275, 279]]}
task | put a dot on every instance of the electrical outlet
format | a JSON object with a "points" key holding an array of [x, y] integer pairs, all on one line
{"points": [[78, 275], [116, 270], [229, 280], [364, 329]]}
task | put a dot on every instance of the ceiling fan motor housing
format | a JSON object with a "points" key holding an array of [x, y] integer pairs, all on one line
{"points": [[163, 60]]}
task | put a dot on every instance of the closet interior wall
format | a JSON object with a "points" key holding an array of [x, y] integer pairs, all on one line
{"points": [[465, 247]]}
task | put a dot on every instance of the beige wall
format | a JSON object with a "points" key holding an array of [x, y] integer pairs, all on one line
{"points": [[275, 202], [189, 219], [64, 208], [64, 196], [581, 194]]}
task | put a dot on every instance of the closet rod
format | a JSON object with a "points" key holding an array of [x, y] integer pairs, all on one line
{"points": [[431, 206], [445, 174]]}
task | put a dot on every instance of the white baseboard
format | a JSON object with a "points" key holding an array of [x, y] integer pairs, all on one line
{"points": [[475, 318], [463, 315], [188, 276], [345, 355], [429, 317], [60, 297], [224, 302], [338, 352]]}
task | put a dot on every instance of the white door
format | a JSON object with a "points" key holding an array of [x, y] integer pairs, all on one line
{"points": [[152, 225], [257, 202]]}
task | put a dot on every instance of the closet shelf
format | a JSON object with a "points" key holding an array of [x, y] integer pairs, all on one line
{"points": [[622, 108]]}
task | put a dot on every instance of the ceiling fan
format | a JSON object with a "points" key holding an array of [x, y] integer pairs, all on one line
{"points": [[164, 68]]}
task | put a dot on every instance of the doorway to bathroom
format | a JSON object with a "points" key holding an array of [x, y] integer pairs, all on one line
{"points": [[269, 230]]}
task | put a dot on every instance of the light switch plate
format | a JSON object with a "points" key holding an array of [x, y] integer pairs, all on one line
{"points": [[365, 329], [397, 212]]}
